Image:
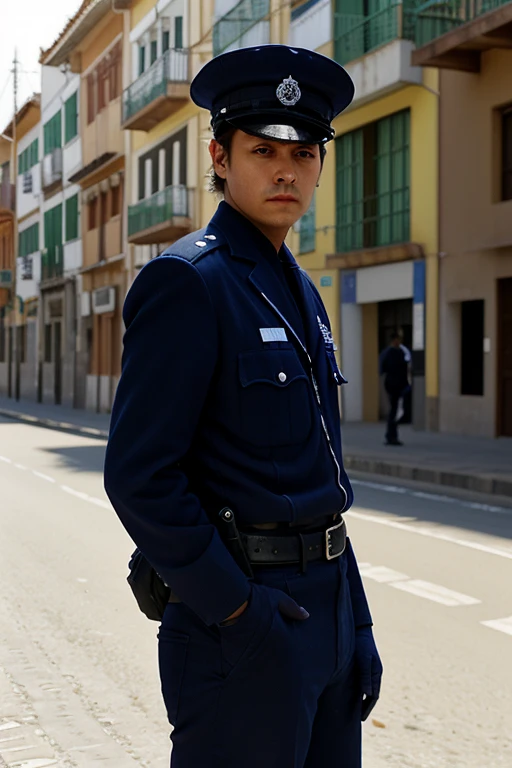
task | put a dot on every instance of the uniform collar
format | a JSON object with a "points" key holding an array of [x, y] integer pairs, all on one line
{"points": [[245, 239]]}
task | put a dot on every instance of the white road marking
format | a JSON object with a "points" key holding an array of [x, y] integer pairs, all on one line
{"points": [[38, 762], [380, 573], [10, 738], [502, 625], [86, 497], [432, 496], [4, 458], [434, 592], [82, 581], [43, 476], [10, 724], [19, 466], [432, 534], [19, 749]]}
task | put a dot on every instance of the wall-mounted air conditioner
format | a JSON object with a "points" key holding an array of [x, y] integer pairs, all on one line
{"points": [[103, 300]]}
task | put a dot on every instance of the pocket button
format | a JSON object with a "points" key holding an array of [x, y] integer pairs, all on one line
{"points": [[282, 377]]}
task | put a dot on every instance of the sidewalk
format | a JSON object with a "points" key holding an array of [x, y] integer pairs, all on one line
{"points": [[471, 463]]}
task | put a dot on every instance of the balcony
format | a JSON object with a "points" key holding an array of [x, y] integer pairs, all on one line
{"points": [[244, 24], [52, 262], [158, 93], [376, 50], [162, 218], [453, 34], [51, 168]]}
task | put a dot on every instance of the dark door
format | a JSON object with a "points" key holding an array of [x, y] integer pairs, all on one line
{"points": [[57, 362], [505, 357], [395, 315]]}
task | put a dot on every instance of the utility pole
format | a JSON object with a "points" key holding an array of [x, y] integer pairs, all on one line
{"points": [[15, 345]]}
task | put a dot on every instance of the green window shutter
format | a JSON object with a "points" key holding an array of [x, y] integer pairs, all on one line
{"points": [[153, 52], [349, 191], [52, 132], [166, 41], [178, 32], [34, 152], [307, 239], [21, 244], [71, 118], [20, 163], [142, 59], [72, 218], [392, 173]]}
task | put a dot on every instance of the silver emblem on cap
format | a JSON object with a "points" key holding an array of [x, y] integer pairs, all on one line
{"points": [[288, 92]]}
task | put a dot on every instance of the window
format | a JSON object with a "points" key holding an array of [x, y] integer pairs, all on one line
{"points": [[29, 240], [175, 165], [72, 218], [506, 184], [52, 132], [472, 348], [166, 41], [142, 59], [29, 157], [178, 32], [101, 80], [372, 184], [48, 343], [115, 200], [71, 118], [53, 228], [153, 51], [91, 112], [114, 71], [307, 241], [92, 211]]}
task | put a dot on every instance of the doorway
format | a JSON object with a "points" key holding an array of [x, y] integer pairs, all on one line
{"points": [[505, 357], [395, 315]]}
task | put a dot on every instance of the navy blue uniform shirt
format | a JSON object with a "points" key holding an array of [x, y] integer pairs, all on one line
{"points": [[218, 406]]}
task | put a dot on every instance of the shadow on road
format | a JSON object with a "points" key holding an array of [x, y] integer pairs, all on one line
{"points": [[79, 458], [433, 506]]}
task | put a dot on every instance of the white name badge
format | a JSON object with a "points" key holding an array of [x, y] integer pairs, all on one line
{"points": [[273, 334]]}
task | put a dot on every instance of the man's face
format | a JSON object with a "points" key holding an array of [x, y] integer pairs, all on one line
{"points": [[270, 182]]}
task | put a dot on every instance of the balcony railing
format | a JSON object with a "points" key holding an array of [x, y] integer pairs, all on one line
{"points": [[170, 68], [160, 217], [433, 18], [52, 262], [52, 168], [356, 35], [26, 267], [239, 20]]}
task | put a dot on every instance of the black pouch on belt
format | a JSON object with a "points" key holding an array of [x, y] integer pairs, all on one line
{"points": [[151, 593]]}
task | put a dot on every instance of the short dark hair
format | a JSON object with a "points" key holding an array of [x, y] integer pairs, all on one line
{"points": [[215, 182]]}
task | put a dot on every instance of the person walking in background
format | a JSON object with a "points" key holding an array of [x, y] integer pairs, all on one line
{"points": [[395, 365]]}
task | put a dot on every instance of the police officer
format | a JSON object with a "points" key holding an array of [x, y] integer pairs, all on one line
{"points": [[227, 412]]}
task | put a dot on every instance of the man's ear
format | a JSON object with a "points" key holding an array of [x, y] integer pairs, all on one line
{"points": [[219, 158]]}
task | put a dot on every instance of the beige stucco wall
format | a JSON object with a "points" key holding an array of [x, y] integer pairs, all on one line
{"points": [[475, 230]]}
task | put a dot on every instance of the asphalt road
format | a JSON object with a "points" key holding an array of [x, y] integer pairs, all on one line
{"points": [[78, 668]]}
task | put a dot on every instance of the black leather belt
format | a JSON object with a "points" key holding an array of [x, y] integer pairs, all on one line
{"points": [[295, 547]]}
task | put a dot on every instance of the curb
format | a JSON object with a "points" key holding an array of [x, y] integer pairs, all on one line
{"points": [[62, 426], [486, 484]]}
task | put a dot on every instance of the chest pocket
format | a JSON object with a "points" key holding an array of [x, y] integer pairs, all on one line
{"points": [[275, 399]]}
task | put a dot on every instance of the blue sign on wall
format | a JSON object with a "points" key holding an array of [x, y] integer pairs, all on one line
{"points": [[348, 287], [419, 282], [326, 281]]}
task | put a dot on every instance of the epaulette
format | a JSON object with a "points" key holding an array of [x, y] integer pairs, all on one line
{"points": [[194, 246]]}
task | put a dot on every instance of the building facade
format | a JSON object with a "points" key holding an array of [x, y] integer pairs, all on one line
{"points": [[7, 235], [470, 45]]}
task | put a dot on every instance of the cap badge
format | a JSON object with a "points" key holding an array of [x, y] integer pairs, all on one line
{"points": [[288, 92]]}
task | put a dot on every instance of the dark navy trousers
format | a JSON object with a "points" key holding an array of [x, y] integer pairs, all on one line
{"points": [[266, 691]]}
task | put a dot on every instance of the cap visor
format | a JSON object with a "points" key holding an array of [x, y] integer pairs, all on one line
{"points": [[280, 131]]}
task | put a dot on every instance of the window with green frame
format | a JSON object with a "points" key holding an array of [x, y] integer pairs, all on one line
{"points": [[178, 32], [142, 59], [166, 40], [71, 117], [307, 232], [29, 240], [153, 52], [52, 133], [71, 218], [29, 157], [373, 184], [53, 227]]}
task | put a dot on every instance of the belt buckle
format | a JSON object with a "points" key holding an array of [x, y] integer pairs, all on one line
{"points": [[328, 541]]}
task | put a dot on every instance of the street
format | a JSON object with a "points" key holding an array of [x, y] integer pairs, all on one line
{"points": [[78, 665]]}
